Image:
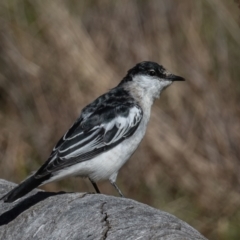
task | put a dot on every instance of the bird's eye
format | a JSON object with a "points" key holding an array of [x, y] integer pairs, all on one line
{"points": [[152, 72]]}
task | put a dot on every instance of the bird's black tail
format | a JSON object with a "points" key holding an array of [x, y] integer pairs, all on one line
{"points": [[23, 188]]}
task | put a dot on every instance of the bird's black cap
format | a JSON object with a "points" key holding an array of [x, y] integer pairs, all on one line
{"points": [[151, 69]]}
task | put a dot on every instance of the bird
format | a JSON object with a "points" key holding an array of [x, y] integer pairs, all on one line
{"points": [[106, 134]]}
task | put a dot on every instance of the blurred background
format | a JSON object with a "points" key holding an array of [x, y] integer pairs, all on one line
{"points": [[57, 56]]}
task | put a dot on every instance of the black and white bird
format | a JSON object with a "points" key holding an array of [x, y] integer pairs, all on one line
{"points": [[106, 134]]}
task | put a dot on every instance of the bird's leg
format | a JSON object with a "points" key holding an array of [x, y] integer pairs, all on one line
{"points": [[117, 188], [94, 185]]}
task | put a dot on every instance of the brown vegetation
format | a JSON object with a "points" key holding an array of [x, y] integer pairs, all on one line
{"points": [[57, 56]]}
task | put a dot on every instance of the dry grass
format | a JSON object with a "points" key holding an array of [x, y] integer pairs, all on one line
{"points": [[55, 57]]}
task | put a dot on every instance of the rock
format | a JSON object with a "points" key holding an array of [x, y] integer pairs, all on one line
{"points": [[45, 215]]}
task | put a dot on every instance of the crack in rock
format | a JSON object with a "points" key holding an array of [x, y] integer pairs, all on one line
{"points": [[105, 219], [81, 196]]}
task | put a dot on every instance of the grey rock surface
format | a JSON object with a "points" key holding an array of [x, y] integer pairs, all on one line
{"points": [[44, 215]]}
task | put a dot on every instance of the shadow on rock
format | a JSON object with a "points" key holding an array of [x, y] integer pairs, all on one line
{"points": [[25, 204]]}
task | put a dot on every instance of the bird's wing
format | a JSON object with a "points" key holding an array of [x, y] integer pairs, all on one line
{"points": [[93, 135]]}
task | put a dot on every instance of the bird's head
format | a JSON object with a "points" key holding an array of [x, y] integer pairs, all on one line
{"points": [[151, 77]]}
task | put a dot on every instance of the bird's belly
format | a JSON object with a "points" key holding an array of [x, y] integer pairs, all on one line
{"points": [[108, 163]]}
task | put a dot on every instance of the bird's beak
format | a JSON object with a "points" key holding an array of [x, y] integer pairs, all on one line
{"points": [[173, 77]]}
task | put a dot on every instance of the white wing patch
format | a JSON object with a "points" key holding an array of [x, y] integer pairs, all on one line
{"points": [[78, 143], [124, 123]]}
